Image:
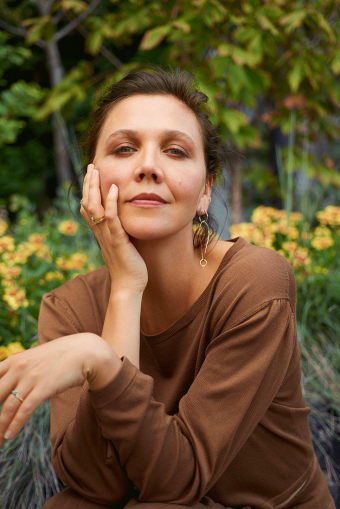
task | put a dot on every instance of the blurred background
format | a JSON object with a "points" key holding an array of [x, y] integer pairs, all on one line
{"points": [[271, 72]]}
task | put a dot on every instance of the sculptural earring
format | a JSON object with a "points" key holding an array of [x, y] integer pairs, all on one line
{"points": [[202, 226]]}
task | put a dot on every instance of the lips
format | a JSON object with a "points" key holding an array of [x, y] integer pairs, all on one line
{"points": [[148, 197]]}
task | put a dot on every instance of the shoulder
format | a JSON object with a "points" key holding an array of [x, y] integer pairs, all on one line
{"points": [[79, 305], [82, 287], [251, 276]]}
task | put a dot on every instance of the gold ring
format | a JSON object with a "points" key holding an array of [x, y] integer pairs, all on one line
{"points": [[98, 220], [17, 395]]}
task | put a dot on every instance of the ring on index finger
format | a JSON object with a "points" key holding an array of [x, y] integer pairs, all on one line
{"points": [[98, 220]]}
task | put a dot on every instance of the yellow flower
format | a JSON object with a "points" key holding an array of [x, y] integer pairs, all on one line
{"points": [[23, 222], [295, 217], [62, 263], [305, 235], [290, 247], [15, 347], [331, 216], [3, 353], [322, 231], [281, 227], [92, 267], [75, 262], [300, 258], [15, 297], [6, 243], [244, 230], [78, 260], [9, 271], [321, 243], [36, 238], [3, 226], [11, 258], [293, 233], [262, 215], [68, 227], [54, 276]]}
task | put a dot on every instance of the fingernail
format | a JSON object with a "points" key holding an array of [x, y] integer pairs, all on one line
{"points": [[89, 167], [8, 434], [112, 188], [93, 173]]}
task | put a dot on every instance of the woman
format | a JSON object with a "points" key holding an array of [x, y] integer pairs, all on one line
{"points": [[174, 370]]}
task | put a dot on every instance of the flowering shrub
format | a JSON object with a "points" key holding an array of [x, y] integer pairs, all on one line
{"points": [[309, 251], [34, 259]]}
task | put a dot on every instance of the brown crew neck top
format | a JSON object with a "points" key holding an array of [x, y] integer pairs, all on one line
{"points": [[216, 408]]}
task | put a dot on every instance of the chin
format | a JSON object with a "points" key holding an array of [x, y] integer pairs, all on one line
{"points": [[150, 230]]}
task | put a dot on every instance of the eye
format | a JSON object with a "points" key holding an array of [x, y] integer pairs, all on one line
{"points": [[123, 150], [177, 152]]}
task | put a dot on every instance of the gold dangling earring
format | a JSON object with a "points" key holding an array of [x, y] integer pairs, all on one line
{"points": [[203, 224]]}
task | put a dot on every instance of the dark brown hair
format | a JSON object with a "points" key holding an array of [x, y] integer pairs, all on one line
{"points": [[179, 83]]}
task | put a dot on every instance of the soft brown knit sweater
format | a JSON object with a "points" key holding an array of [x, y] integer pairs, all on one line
{"points": [[216, 408]]}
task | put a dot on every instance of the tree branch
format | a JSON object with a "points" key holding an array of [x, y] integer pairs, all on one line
{"points": [[19, 31], [58, 17], [77, 21], [102, 50]]}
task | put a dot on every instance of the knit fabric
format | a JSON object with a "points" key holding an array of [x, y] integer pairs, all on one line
{"points": [[216, 409]]}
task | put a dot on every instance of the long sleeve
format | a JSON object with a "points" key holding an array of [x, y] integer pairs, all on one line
{"points": [[178, 458], [79, 449]]}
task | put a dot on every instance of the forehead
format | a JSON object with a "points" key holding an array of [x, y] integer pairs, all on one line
{"points": [[152, 114]]}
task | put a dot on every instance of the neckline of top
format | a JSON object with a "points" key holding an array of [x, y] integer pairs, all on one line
{"points": [[239, 243]]}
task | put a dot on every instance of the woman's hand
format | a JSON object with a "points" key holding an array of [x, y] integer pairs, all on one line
{"points": [[46, 370], [127, 268]]}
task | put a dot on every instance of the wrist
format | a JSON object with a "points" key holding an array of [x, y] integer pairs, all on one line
{"points": [[101, 365]]}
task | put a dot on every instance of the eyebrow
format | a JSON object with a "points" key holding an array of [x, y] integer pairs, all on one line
{"points": [[169, 133]]}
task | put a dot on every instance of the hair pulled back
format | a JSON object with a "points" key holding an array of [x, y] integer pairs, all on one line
{"points": [[179, 83]]}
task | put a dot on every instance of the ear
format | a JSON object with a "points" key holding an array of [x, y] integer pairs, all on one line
{"points": [[204, 201]]}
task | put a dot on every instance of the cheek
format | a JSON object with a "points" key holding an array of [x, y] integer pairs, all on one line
{"points": [[108, 176], [189, 189]]}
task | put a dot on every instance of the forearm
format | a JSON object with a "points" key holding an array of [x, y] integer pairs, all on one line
{"points": [[80, 452], [121, 328]]}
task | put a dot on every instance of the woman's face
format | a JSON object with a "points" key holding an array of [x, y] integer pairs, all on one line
{"points": [[150, 146]]}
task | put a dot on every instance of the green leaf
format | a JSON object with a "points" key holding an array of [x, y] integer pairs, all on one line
{"points": [[335, 64], [256, 48], [233, 120], [295, 76], [242, 57], [293, 20], [266, 24], [224, 49], [323, 23], [182, 25], [154, 37], [93, 42]]}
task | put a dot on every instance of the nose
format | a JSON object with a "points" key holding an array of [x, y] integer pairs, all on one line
{"points": [[149, 167]]}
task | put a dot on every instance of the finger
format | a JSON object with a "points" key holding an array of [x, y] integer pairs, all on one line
{"points": [[85, 193], [94, 204], [9, 409], [111, 214], [17, 413]]}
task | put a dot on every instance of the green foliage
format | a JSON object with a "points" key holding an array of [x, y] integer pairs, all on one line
{"points": [[10, 55], [27, 476], [34, 259], [257, 62], [20, 100]]}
